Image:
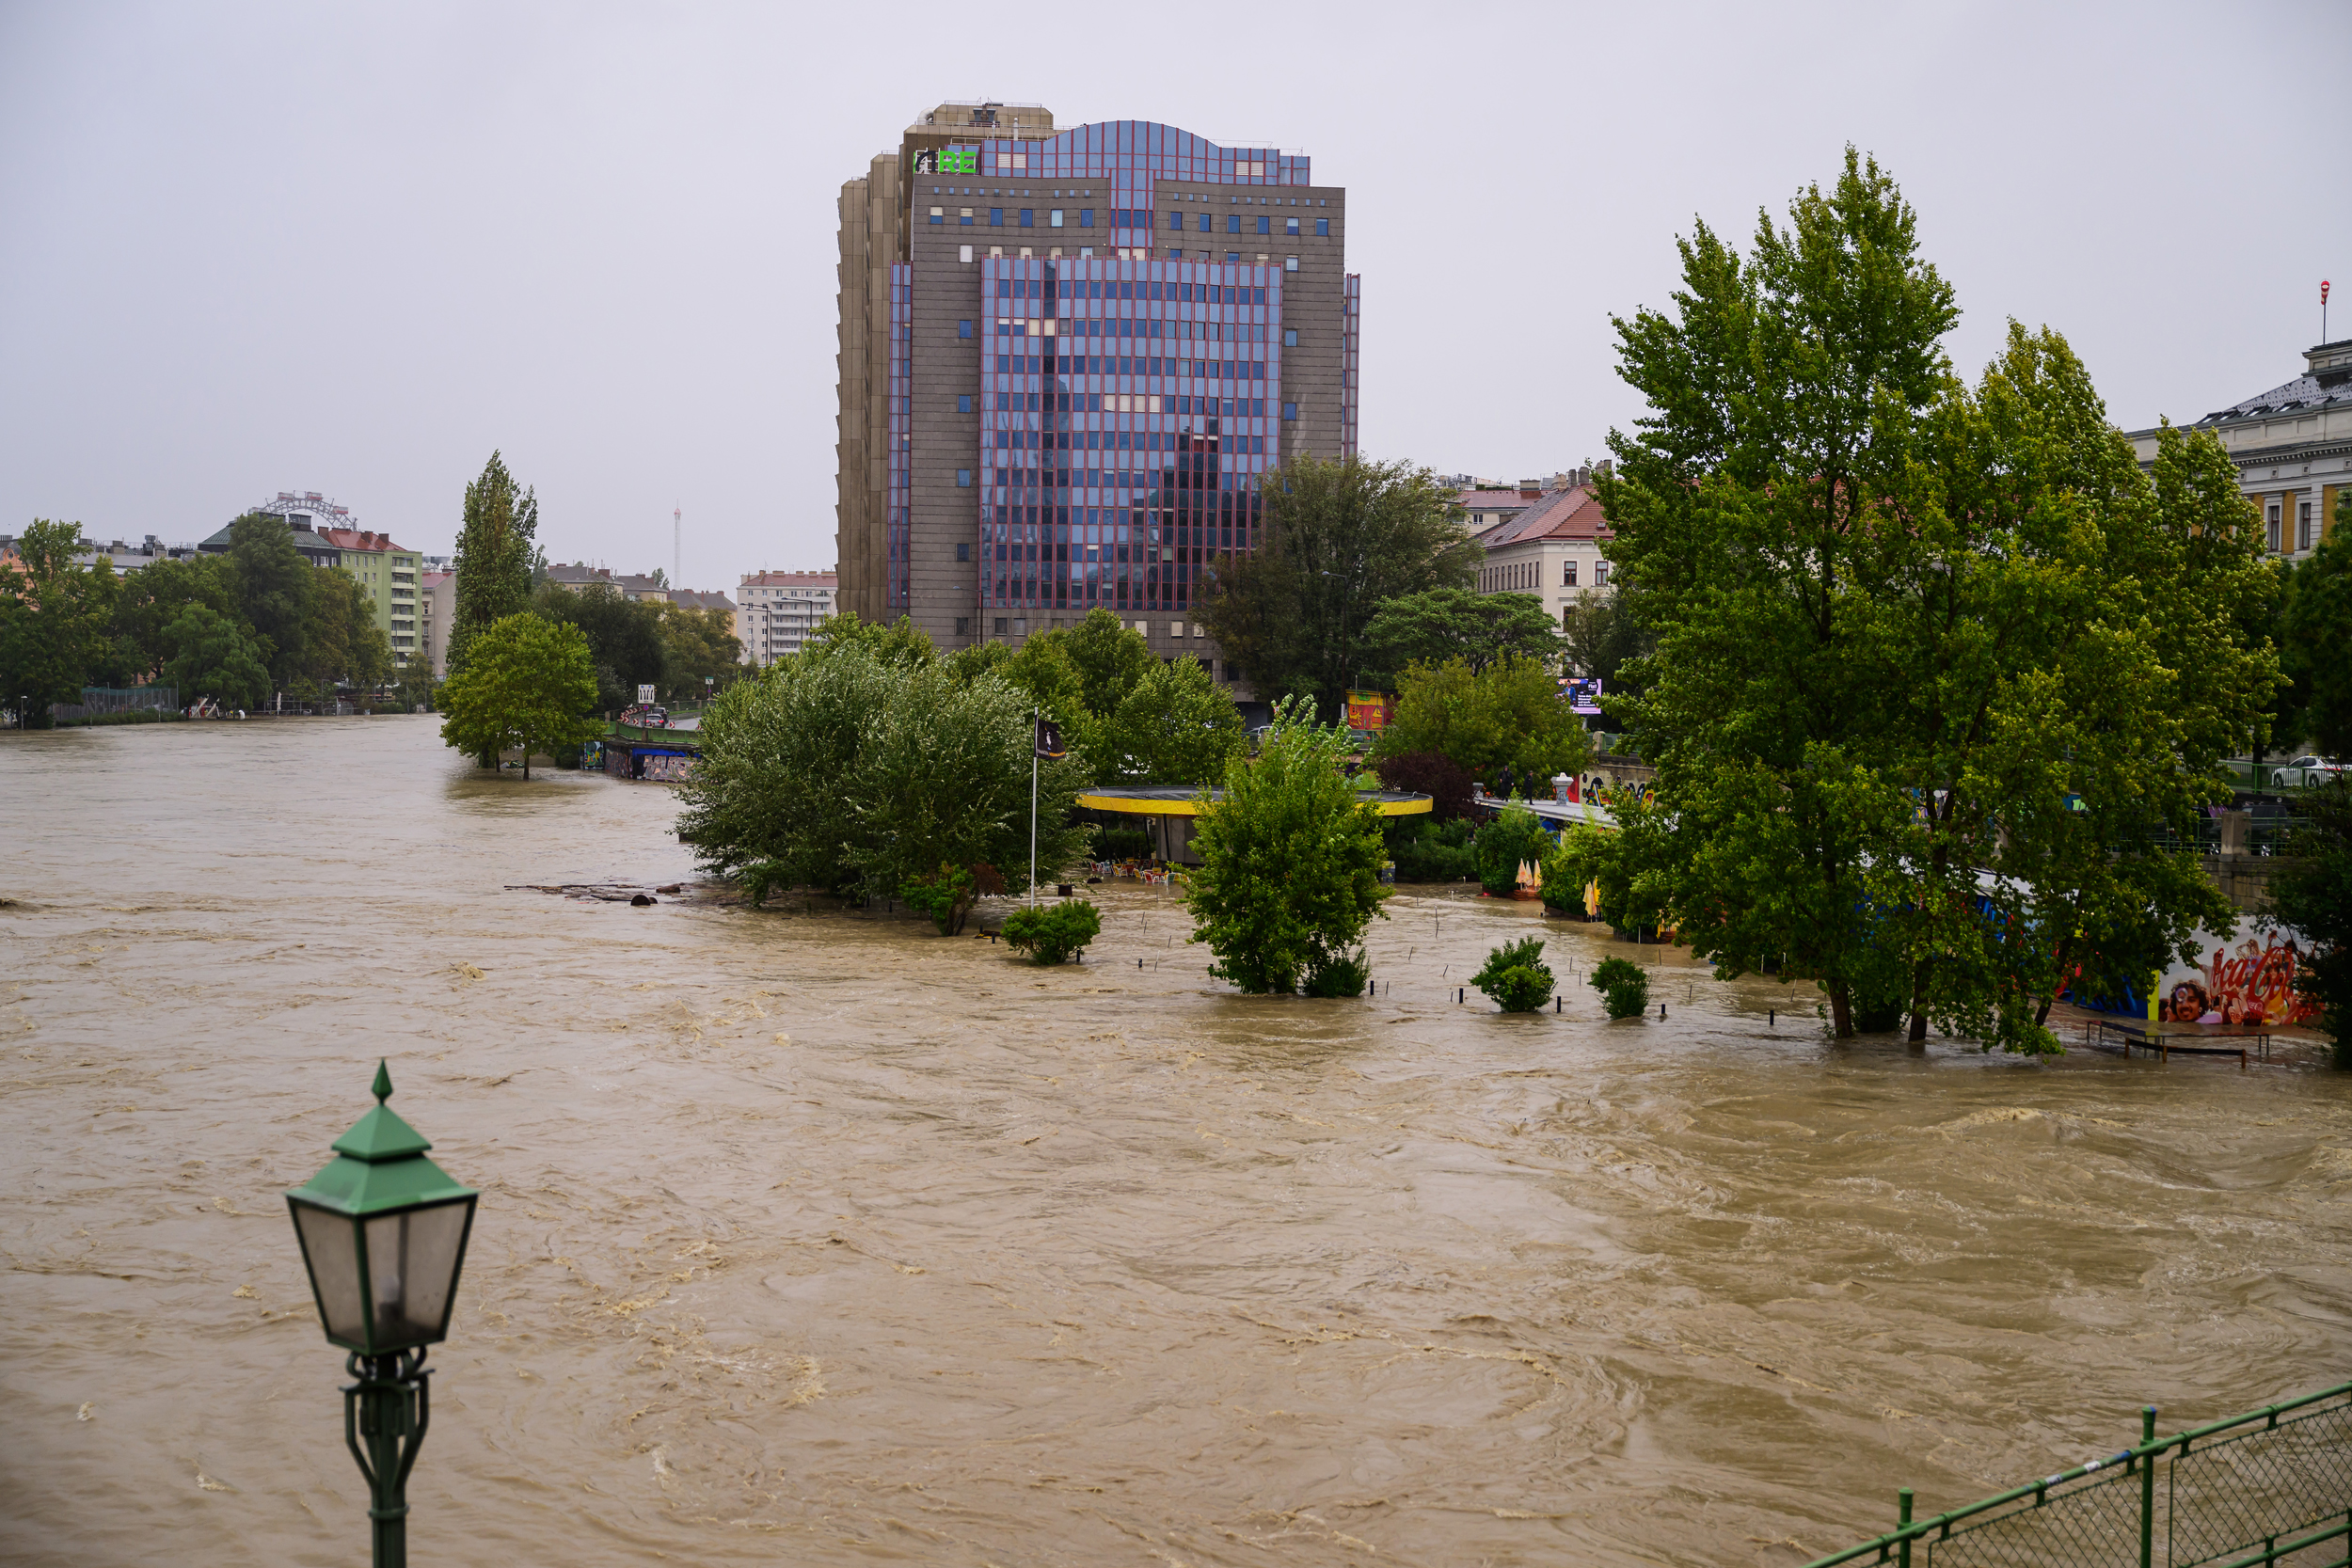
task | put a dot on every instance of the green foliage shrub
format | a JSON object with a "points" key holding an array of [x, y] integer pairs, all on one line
{"points": [[947, 896], [1431, 773], [1624, 987], [1516, 976], [1504, 844], [1428, 850], [1050, 933], [1339, 974]]}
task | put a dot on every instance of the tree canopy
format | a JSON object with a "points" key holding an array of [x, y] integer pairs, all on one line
{"points": [[53, 619], [1130, 717], [1939, 672], [1342, 539], [1511, 713], [625, 645], [1290, 874], [1441, 624], [701, 651], [497, 546], [526, 686], [209, 655], [2316, 638]]}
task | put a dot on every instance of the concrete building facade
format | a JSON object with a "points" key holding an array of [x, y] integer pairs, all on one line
{"points": [[437, 612], [780, 611], [387, 575], [1068, 359], [2292, 446]]}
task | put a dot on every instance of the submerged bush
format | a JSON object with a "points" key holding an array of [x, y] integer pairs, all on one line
{"points": [[946, 896], [1624, 987], [1050, 933], [1516, 976], [1339, 974]]}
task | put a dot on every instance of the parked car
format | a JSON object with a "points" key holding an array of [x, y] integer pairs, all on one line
{"points": [[2308, 772], [646, 718]]}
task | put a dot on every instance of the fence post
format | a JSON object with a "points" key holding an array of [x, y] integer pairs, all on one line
{"points": [[1902, 1499], [2147, 1489]]}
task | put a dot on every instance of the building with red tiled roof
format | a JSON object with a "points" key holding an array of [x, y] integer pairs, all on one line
{"points": [[387, 575], [1550, 549]]}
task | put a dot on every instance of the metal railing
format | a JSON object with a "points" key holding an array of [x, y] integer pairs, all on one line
{"points": [[2270, 1486], [98, 700]]}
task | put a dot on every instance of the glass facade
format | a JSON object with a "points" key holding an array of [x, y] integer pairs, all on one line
{"points": [[1124, 369], [1126, 424]]}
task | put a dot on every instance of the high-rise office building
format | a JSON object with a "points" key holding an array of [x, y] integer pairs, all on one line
{"points": [[1066, 360]]}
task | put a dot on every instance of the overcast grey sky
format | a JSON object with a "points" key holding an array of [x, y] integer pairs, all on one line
{"points": [[352, 249]]}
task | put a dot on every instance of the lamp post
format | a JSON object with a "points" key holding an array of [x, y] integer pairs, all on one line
{"points": [[383, 1232]]}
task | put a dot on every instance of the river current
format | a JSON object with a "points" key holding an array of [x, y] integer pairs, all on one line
{"points": [[808, 1236]]}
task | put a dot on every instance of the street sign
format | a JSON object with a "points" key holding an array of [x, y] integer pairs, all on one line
{"points": [[644, 694]]}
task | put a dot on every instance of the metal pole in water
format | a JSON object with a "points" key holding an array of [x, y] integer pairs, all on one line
{"points": [[1902, 1499]]}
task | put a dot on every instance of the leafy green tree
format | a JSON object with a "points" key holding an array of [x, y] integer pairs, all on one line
{"points": [[341, 640], [152, 597], [1504, 844], [1051, 933], [947, 896], [211, 656], [1606, 637], [1342, 539], [2316, 638], [1132, 718], [497, 548], [853, 768], [54, 617], [701, 652], [2312, 892], [900, 641], [625, 640], [1510, 713], [1290, 875], [526, 685], [1624, 987], [276, 587], [1514, 976], [1441, 624]]}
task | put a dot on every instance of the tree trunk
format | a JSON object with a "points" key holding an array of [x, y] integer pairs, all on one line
{"points": [[526, 765], [1919, 1004], [1841, 1010]]}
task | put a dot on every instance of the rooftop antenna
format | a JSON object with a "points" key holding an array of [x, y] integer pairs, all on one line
{"points": [[678, 543]]}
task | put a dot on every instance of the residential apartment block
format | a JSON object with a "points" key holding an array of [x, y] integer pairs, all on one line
{"points": [[780, 611], [1550, 549], [386, 572], [437, 613], [1067, 360], [2292, 446]]}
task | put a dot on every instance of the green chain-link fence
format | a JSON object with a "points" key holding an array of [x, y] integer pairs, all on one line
{"points": [[2273, 1486]]}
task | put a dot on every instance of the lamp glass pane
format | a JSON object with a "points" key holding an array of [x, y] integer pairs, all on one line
{"points": [[332, 1244], [412, 1267]]}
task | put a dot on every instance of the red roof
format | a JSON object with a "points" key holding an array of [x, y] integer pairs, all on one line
{"points": [[1571, 514], [356, 539]]}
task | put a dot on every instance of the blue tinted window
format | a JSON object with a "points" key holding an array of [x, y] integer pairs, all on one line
{"points": [[995, 217], [1323, 225], [964, 330], [1086, 217], [1206, 221], [1290, 337], [963, 402], [1175, 220], [1290, 410], [1029, 217], [1266, 223], [1290, 225], [1232, 223]]}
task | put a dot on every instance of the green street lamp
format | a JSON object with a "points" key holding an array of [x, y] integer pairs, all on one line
{"points": [[383, 1232]]}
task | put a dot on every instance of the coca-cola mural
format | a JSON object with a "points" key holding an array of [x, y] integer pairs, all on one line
{"points": [[2249, 978]]}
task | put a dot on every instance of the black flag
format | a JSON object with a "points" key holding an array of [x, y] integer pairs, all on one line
{"points": [[1049, 740]]}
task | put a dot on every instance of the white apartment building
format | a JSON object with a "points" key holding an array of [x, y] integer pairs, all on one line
{"points": [[778, 611], [1550, 549]]}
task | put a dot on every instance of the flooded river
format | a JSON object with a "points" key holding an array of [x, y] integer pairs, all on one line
{"points": [[811, 1237]]}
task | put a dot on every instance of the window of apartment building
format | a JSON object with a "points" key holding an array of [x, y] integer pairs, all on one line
{"points": [[1208, 222], [1290, 263], [1290, 337], [1323, 227], [1600, 572], [1290, 225], [938, 214], [1567, 573], [964, 625], [2302, 525], [964, 330], [964, 552], [965, 217], [963, 402], [1053, 219], [1001, 624], [995, 217], [1029, 217], [963, 479], [2270, 524], [1232, 223], [1176, 220]]}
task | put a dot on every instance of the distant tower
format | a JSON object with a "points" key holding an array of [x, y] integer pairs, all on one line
{"points": [[677, 545]]}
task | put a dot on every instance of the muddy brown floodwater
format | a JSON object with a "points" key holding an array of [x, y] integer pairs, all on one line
{"points": [[810, 1237]]}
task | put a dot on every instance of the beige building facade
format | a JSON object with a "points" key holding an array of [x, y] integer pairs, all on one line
{"points": [[1550, 550], [2293, 448], [777, 612]]}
